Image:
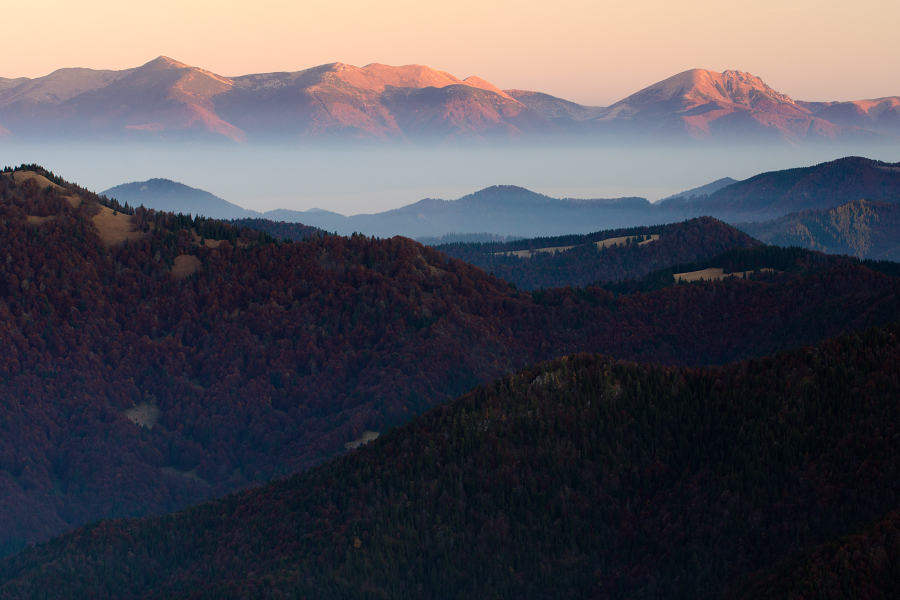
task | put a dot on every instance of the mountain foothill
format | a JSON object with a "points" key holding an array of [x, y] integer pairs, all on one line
{"points": [[170, 101], [508, 210], [585, 477], [724, 407]]}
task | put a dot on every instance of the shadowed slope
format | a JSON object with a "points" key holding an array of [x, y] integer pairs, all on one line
{"points": [[584, 477], [264, 358], [771, 195], [583, 260], [863, 229]]}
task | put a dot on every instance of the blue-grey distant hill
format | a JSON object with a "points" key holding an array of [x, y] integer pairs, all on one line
{"points": [[707, 189], [171, 196], [777, 193], [508, 210], [502, 210]]}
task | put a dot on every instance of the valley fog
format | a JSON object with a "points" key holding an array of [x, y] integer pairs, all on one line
{"points": [[354, 180]]}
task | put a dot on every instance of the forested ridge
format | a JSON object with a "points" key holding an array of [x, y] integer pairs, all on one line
{"points": [[583, 477], [585, 263], [862, 566], [248, 358], [278, 229], [861, 228]]}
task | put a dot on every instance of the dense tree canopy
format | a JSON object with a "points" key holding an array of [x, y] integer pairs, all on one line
{"points": [[584, 262], [584, 477], [142, 376]]}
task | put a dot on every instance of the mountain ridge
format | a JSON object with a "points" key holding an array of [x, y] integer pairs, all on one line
{"points": [[513, 210], [165, 99], [580, 477], [776, 193], [863, 228], [221, 358]]}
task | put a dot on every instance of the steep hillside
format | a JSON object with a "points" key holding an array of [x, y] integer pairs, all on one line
{"points": [[862, 566], [863, 229], [602, 256], [152, 361], [772, 195], [585, 477]]}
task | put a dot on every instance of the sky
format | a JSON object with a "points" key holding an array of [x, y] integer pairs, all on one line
{"points": [[592, 52]]}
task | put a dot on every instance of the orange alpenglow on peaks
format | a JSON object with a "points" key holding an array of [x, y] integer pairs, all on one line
{"points": [[167, 100]]}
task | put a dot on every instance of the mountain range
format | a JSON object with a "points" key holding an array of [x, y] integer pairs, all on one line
{"points": [[168, 100], [714, 416], [155, 360], [511, 210]]}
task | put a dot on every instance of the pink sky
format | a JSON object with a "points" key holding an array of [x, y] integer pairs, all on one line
{"points": [[589, 52]]}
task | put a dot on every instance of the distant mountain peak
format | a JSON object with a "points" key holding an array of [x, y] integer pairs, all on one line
{"points": [[502, 190], [172, 196], [164, 62], [737, 82], [167, 99], [700, 86]]}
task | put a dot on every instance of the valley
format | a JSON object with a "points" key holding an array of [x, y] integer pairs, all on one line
{"points": [[584, 476], [478, 301], [160, 361], [508, 210]]}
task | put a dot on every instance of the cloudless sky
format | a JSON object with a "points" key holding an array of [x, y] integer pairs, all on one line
{"points": [[593, 52]]}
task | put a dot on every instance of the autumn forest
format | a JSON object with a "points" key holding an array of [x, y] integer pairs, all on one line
{"points": [[661, 411]]}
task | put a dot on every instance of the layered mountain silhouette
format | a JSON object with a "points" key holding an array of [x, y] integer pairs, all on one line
{"points": [[776, 193], [168, 100], [512, 210], [154, 360], [707, 189], [503, 208]]}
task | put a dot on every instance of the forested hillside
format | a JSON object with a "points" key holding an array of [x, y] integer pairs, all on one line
{"points": [[278, 229], [604, 256], [584, 477], [861, 566], [154, 360], [863, 229]]}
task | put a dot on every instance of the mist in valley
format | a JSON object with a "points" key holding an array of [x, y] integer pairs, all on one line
{"points": [[363, 180]]}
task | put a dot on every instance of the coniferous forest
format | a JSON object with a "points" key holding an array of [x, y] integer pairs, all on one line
{"points": [[724, 435], [584, 262], [581, 477]]}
